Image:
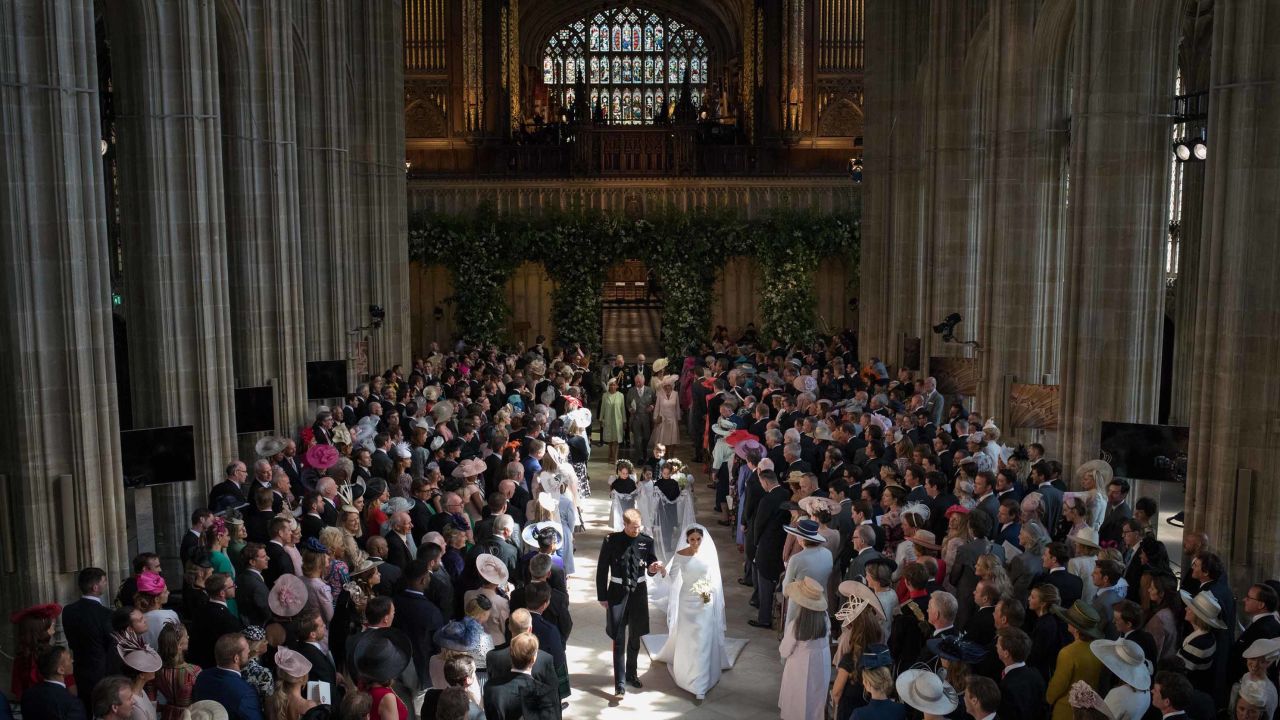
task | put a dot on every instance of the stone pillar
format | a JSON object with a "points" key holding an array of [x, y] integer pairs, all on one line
{"points": [[1026, 147], [260, 155], [1235, 388], [956, 128], [325, 181], [378, 165], [891, 240], [165, 74], [64, 503], [1116, 226]]}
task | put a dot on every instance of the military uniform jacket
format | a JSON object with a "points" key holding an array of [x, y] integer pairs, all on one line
{"points": [[622, 580]]}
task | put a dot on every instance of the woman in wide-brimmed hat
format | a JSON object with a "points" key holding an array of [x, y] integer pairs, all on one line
{"points": [[1255, 686], [493, 575], [860, 629], [1204, 614], [807, 653], [33, 634], [1076, 661], [1130, 698], [379, 656], [925, 691], [140, 666]]}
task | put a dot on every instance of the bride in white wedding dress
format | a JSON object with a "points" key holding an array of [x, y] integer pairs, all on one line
{"points": [[694, 648]]}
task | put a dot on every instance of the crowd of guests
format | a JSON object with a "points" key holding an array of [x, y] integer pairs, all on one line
{"points": [[408, 553], [915, 565]]}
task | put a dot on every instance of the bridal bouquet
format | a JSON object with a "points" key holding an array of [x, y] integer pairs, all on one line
{"points": [[683, 479], [702, 587]]}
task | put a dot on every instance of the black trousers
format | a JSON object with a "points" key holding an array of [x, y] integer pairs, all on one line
{"points": [[629, 621], [765, 585]]}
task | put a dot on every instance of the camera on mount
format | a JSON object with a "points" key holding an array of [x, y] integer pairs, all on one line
{"points": [[376, 315]]}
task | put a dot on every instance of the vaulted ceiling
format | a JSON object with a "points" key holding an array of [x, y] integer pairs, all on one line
{"points": [[719, 21]]}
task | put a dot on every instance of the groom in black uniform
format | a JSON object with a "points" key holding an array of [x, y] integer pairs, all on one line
{"points": [[626, 561]]}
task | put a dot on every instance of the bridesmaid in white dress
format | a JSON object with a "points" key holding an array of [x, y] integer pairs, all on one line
{"points": [[694, 648], [666, 413]]}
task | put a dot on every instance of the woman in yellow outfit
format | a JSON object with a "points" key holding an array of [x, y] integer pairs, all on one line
{"points": [[1076, 661]]}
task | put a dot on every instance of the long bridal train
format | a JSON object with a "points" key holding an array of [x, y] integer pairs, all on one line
{"points": [[695, 648]]}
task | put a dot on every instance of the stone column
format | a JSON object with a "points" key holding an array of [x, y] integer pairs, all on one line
{"points": [[1026, 149], [325, 181], [165, 74], [260, 155], [57, 368], [1116, 227], [1236, 391], [891, 236], [378, 165]]}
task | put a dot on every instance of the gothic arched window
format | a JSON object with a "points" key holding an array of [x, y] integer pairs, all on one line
{"points": [[628, 55]]}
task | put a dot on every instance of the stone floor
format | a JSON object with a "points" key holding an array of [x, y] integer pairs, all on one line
{"points": [[749, 690]]}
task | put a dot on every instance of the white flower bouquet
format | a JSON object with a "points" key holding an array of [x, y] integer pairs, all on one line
{"points": [[702, 587]]}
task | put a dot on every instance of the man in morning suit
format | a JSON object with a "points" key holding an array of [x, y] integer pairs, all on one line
{"points": [[498, 661], [278, 561], [1259, 605], [251, 586], [87, 624], [523, 695], [639, 403], [309, 633], [214, 620], [233, 486], [626, 562], [1022, 688], [418, 617], [770, 536], [1054, 560]]}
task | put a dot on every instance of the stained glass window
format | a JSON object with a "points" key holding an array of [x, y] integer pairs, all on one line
{"points": [[634, 59]]}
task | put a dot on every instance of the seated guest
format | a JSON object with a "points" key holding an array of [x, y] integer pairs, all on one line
{"points": [[50, 699], [522, 696]]}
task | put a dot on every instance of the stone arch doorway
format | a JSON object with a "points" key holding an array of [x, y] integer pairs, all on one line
{"points": [[631, 311]]}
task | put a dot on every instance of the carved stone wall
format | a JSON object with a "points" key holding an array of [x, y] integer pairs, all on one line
{"points": [[635, 195]]}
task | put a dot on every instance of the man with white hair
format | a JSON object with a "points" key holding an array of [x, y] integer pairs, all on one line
{"points": [[401, 550], [934, 403], [328, 489], [942, 616]]}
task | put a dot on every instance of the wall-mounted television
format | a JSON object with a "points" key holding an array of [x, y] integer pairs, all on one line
{"points": [[157, 456], [1138, 451], [327, 379], [255, 410]]}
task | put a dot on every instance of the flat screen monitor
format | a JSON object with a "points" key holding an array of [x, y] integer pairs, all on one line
{"points": [[158, 456], [1139, 451], [327, 379], [255, 410]]}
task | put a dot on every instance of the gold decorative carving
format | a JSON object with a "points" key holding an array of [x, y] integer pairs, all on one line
{"points": [[840, 119], [425, 119], [1034, 406], [956, 375], [473, 64], [512, 77]]}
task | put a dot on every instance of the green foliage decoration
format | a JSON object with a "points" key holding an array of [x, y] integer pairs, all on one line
{"points": [[683, 249]]}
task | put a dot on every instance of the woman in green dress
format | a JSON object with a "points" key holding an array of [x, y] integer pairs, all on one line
{"points": [[217, 538], [611, 418]]}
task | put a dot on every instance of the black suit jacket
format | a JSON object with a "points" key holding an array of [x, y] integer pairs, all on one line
{"points": [[50, 701], [1070, 587], [397, 551], [293, 469], [557, 612], [190, 541], [1265, 627], [381, 465], [251, 598], [225, 488], [214, 621], [768, 524], [982, 626], [257, 524], [278, 563], [419, 618], [498, 666], [322, 669], [1022, 694], [328, 512], [521, 697], [312, 525], [87, 624]]}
